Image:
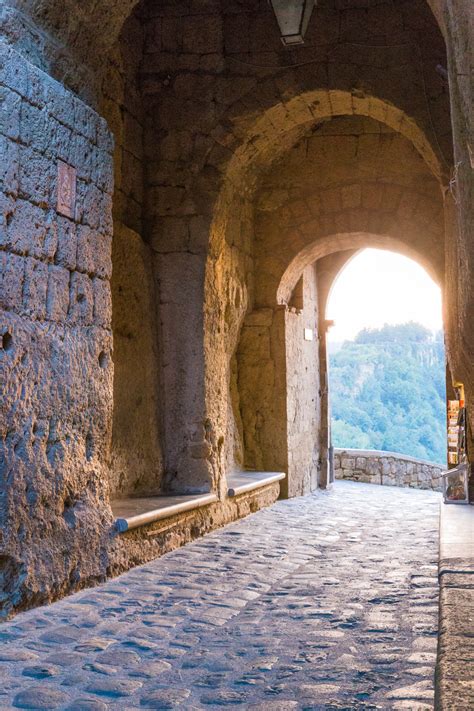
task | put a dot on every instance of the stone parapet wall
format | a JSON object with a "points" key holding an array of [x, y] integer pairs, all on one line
{"points": [[387, 468]]}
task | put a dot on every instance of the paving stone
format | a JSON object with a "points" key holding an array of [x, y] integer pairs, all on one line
{"points": [[113, 687], [40, 672], [87, 705], [101, 669], [273, 706], [165, 698], [93, 645], [324, 602], [151, 669], [422, 658], [16, 655], [223, 698], [118, 657], [39, 697], [59, 637], [64, 659], [418, 692]]}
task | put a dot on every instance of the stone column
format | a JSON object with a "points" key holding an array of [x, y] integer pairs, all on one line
{"points": [[328, 269], [325, 438], [189, 439], [459, 24], [262, 389], [303, 388]]}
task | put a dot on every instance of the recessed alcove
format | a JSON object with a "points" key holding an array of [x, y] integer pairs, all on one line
{"points": [[136, 461]]}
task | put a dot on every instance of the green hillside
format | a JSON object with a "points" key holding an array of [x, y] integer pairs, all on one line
{"points": [[388, 392]]}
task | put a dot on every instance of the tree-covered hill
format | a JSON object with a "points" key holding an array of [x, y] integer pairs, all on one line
{"points": [[388, 392]]}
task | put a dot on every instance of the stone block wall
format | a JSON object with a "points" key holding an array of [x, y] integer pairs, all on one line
{"points": [[303, 388], [56, 366], [387, 468], [136, 462], [261, 359]]}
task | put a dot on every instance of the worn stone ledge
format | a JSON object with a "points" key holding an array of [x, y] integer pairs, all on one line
{"points": [[133, 512], [387, 468], [382, 453], [242, 482], [139, 511], [455, 662]]}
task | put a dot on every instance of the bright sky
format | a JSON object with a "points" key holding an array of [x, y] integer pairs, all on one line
{"points": [[378, 287]]}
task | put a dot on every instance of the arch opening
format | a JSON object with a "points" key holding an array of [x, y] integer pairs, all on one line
{"points": [[286, 422], [353, 183], [387, 366]]}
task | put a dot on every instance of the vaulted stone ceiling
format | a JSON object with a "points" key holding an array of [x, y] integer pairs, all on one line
{"points": [[71, 39]]}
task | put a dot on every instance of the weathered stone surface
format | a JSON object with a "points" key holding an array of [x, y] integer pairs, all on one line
{"points": [[387, 468], [297, 606], [455, 663], [39, 697], [222, 173]]}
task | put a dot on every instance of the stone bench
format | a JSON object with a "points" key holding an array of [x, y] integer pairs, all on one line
{"points": [[242, 482], [133, 512]]}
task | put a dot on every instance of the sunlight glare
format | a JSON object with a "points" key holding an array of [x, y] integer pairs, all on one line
{"points": [[378, 287]]}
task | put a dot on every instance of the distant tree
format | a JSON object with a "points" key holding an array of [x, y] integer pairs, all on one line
{"points": [[351, 435], [398, 333], [388, 391]]}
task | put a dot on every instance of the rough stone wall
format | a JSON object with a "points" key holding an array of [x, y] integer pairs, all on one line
{"points": [[136, 464], [56, 359], [387, 468], [261, 359], [353, 182], [224, 101], [459, 23], [303, 389]]}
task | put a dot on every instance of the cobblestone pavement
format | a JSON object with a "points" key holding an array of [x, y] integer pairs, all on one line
{"points": [[322, 602]]}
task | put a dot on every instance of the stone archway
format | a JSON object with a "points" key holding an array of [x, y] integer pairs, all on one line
{"points": [[329, 269], [305, 211], [349, 242], [282, 364], [219, 116]]}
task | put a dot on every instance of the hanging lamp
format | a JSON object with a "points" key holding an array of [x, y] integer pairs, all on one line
{"points": [[293, 18]]}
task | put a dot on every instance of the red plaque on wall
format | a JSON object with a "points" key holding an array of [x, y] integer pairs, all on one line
{"points": [[66, 189]]}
